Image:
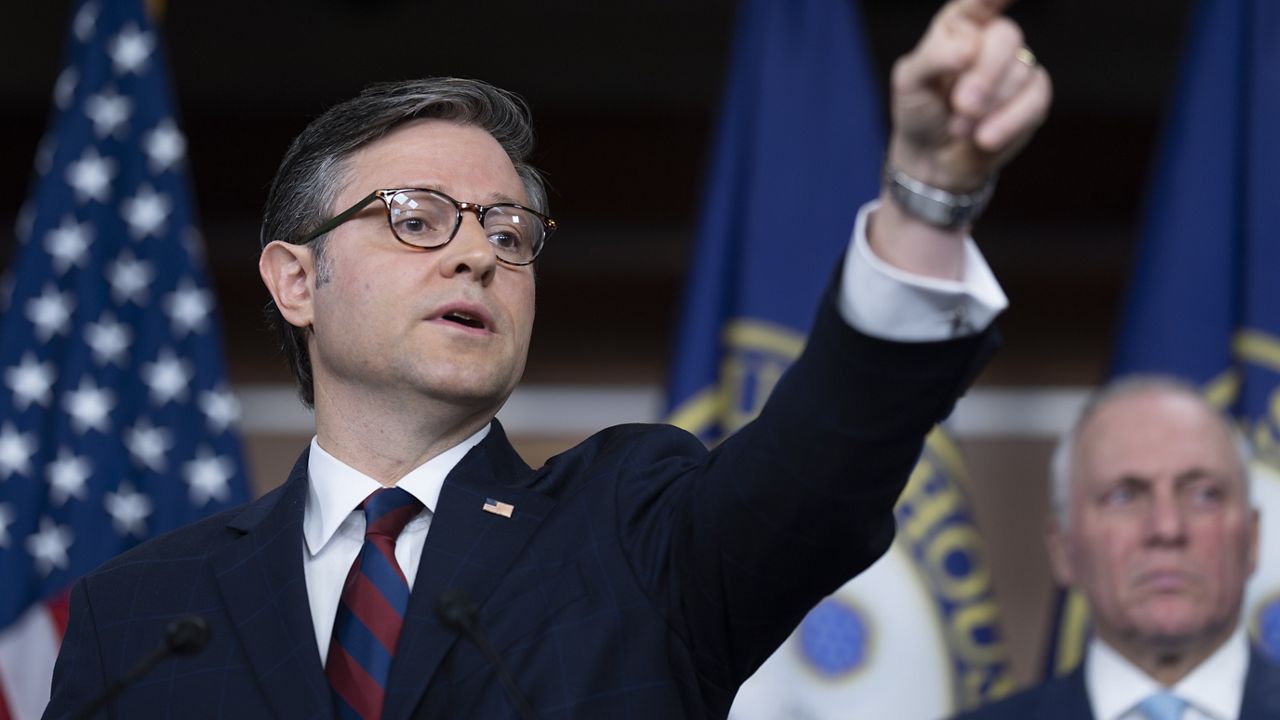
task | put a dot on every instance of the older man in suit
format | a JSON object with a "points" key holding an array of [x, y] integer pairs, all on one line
{"points": [[636, 575], [1154, 525]]}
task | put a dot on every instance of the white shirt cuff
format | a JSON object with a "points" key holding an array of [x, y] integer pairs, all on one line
{"points": [[886, 302]]}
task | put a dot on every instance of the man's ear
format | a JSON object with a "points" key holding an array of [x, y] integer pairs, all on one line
{"points": [[288, 271], [1057, 543]]}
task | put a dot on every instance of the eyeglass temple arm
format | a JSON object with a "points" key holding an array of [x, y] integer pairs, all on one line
{"points": [[342, 217]]}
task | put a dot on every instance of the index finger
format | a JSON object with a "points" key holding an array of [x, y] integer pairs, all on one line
{"points": [[980, 11]]}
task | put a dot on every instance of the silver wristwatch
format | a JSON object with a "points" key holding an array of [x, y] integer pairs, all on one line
{"points": [[934, 205]]}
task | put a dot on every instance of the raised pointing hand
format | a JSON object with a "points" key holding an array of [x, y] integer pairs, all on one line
{"points": [[966, 98]]}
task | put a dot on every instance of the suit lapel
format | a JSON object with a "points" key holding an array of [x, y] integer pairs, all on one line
{"points": [[467, 549], [1071, 702], [262, 583], [1261, 689]]}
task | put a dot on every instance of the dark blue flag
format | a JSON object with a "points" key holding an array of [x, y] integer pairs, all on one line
{"points": [[1204, 300], [799, 147], [116, 420]]}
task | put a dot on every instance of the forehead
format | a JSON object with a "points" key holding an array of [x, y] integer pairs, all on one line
{"points": [[463, 161], [1153, 434]]}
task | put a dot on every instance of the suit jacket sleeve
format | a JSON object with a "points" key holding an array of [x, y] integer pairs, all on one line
{"points": [[738, 544]]}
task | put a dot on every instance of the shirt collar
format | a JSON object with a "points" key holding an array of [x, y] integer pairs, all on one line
{"points": [[336, 489], [1215, 686]]}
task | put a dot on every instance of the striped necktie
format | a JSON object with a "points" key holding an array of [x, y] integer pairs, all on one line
{"points": [[371, 611], [1163, 706]]}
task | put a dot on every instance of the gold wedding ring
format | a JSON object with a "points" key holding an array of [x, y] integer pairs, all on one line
{"points": [[1025, 56]]}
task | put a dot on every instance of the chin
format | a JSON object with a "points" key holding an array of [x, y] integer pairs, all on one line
{"points": [[1177, 630], [464, 396], [452, 379], [477, 394]]}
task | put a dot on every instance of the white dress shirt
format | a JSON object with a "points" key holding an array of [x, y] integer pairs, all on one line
{"points": [[875, 298], [880, 300], [1213, 690], [333, 525]]}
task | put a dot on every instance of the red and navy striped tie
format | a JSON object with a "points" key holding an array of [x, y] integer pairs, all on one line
{"points": [[371, 612]]}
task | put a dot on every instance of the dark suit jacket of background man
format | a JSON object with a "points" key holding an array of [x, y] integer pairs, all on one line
{"points": [[639, 576], [1066, 698]]}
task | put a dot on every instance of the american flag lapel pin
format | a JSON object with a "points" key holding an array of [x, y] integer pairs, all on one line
{"points": [[498, 507]]}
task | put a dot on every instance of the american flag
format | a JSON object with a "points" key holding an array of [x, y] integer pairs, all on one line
{"points": [[116, 420]]}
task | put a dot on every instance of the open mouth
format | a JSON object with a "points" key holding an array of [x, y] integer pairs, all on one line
{"points": [[463, 318]]}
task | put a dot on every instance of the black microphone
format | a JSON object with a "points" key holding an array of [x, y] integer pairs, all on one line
{"points": [[187, 635], [456, 610]]}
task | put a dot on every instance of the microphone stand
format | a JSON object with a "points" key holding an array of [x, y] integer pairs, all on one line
{"points": [[185, 636], [456, 610]]}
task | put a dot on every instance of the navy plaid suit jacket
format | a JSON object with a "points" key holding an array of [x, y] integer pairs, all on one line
{"points": [[640, 576], [1066, 698]]}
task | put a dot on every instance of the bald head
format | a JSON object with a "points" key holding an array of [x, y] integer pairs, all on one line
{"points": [[1065, 454], [1154, 522]]}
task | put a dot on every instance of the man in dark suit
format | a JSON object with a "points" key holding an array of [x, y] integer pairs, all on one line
{"points": [[635, 575], [1153, 523]]}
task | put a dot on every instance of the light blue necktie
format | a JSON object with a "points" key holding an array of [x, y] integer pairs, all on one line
{"points": [[1163, 706]]}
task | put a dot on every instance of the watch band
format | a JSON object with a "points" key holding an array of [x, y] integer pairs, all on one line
{"points": [[934, 205]]}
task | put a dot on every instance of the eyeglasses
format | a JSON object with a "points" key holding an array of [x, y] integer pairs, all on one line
{"points": [[428, 219]]}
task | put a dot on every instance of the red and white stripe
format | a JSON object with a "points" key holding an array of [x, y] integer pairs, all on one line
{"points": [[28, 649]]}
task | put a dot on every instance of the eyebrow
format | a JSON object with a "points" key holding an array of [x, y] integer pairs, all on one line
{"points": [[1197, 474], [1181, 480]]}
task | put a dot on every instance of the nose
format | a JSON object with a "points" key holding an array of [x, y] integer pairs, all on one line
{"points": [[1167, 522], [469, 252]]}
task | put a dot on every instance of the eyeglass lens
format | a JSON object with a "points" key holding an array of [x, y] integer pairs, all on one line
{"points": [[428, 219]]}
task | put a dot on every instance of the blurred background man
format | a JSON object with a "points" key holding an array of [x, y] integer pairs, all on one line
{"points": [[1153, 523]]}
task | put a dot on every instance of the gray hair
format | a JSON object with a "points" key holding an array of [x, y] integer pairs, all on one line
{"points": [[313, 171], [1060, 465]]}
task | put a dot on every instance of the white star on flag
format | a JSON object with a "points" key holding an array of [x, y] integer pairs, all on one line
{"points": [[129, 49], [68, 243], [146, 212], [6, 519], [64, 88], [30, 381], [50, 313], [68, 477], [148, 444], [167, 377], [90, 406], [108, 339], [91, 176], [109, 111], [208, 475], [48, 547], [128, 509], [188, 307], [130, 278], [221, 408], [164, 146], [84, 21], [16, 449]]}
